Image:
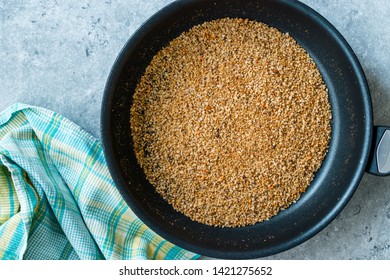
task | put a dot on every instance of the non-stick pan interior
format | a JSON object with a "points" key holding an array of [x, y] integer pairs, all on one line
{"points": [[334, 183]]}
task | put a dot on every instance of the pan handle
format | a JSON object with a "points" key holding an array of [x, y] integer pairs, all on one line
{"points": [[379, 162]]}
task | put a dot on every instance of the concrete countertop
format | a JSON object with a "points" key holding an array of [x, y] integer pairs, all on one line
{"points": [[57, 54]]}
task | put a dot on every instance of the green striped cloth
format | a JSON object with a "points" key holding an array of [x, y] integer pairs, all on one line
{"points": [[57, 198]]}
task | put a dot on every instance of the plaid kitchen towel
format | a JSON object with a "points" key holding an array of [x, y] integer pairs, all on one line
{"points": [[57, 198]]}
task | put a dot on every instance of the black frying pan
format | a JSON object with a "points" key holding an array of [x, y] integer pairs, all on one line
{"points": [[335, 182]]}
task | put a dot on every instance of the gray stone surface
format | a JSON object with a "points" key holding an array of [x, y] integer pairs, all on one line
{"points": [[57, 54]]}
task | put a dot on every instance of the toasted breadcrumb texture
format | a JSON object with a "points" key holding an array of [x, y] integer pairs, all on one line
{"points": [[230, 122]]}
